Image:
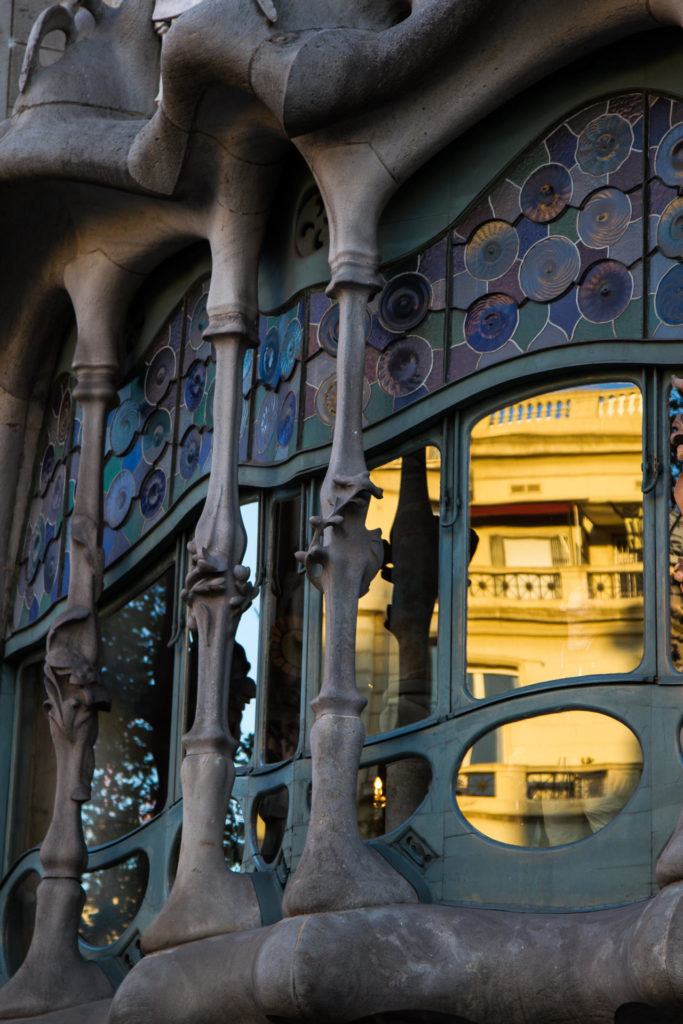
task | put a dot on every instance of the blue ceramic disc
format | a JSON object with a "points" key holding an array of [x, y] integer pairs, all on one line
{"points": [[670, 229], [124, 427], [47, 467], [286, 421], [152, 493], [51, 565], [548, 268], [545, 193], [669, 159], [35, 550], [404, 302], [189, 453], [605, 292], [669, 298], [267, 418], [194, 385], [55, 496], [328, 329], [291, 349], [119, 498], [199, 322], [160, 374], [492, 250], [491, 322], [269, 362], [604, 218], [604, 144], [404, 365], [155, 435]]}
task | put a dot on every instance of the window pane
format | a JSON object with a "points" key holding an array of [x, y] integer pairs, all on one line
{"points": [[556, 574], [113, 897], [549, 780], [676, 520], [35, 768], [284, 604], [397, 618], [132, 750], [389, 792]]}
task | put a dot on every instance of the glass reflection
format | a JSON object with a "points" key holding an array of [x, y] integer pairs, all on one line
{"points": [[35, 767], [556, 574], [270, 822], [20, 918], [389, 792], [550, 780], [113, 897], [284, 605], [397, 619], [132, 750], [676, 520]]}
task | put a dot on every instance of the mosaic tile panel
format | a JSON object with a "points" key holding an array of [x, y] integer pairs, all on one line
{"points": [[665, 220]]}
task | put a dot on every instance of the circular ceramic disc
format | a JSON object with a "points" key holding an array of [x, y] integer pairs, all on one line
{"points": [[669, 159], [194, 385], [548, 268], [160, 373], [326, 398], [491, 322], [670, 229], [291, 349], [124, 427], [51, 565], [199, 322], [604, 144], [265, 424], [669, 298], [155, 435], [605, 292], [47, 467], [269, 360], [286, 421], [152, 493], [404, 302], [604, 218], [55, 496], [36, 548], [545, 193], [119, 498], [328, 329], [404, 365], [492, 250], [189, 453]]}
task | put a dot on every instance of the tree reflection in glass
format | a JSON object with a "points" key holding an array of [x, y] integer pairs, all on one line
{"points": [[132, 751], [113, 897], [556, 574]]}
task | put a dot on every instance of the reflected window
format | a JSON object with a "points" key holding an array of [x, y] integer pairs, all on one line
{"points": [[132, 750], [388, 793], [113, 897], [284, 610], [549, 780], [270, 822], [556, 528], [396, 634], [35, 767]]}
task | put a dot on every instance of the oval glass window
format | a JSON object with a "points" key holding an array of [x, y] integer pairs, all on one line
{"points": [[389, 792], [549, 780], [556, 539], [270, 821], [113, 897], [20, 917]]}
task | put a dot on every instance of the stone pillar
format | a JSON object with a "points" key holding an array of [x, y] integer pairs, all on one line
{"points": [[337, 870]]}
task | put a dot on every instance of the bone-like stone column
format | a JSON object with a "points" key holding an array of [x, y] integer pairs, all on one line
{"points": [[337, 870], [54, 974]]}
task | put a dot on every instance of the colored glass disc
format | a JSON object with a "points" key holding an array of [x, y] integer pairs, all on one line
{"points": [[604, 218], [492, 250], [160, 373], [194, 386], [404, 365], [119, 498], [605, 292], [604, 144], [549, 267], [490, 322], [545, 193], [404, 302], [152, 493], [287, 419], [124, 426]]}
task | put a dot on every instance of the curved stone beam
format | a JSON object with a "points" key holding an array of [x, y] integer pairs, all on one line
{"points": [[482, 965]]}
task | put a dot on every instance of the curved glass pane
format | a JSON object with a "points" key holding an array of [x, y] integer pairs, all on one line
{"points": [[20, 918], [556, 528], [387, 794], [549, 780], [132, 750], [113, 897], [270, 821], [35, 766], [396, 634]]}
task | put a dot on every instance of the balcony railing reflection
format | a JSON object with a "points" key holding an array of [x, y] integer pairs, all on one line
{"points": [[530, 585]]}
